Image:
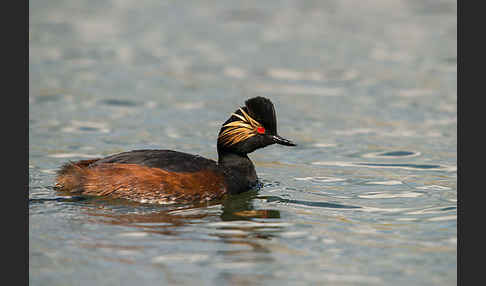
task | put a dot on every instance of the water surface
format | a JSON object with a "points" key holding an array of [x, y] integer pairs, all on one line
{"points": [[366, 89]]}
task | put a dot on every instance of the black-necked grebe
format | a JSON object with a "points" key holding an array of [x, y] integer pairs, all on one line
{"points": [[165, 176]]}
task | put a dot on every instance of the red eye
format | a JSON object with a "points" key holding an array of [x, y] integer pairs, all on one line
{"points": [[261, 130]]}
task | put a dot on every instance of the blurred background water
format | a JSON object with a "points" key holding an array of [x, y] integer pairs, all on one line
{"points": [[366, 88]]}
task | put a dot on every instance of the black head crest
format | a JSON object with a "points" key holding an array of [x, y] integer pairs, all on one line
{"points": [[256, 117], [251, 127], [262, 110]]}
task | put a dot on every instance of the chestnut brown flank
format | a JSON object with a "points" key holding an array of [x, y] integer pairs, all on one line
{"points": [[140, 183]]}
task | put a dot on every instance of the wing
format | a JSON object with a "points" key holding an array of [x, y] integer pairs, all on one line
{"points": [[163, 159]]}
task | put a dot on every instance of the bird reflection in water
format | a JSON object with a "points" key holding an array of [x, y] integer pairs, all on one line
{"points": [[170, 220]]}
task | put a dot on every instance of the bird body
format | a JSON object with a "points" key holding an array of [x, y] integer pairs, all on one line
{"points": [[166, 176]]}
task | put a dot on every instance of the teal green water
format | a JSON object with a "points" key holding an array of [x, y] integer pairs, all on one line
{"points": [[366, 89]]}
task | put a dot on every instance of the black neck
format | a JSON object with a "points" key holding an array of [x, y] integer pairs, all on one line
{"points": [[239, 170]]}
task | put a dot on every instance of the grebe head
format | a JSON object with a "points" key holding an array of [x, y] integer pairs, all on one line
{"points": [[251, 127]]}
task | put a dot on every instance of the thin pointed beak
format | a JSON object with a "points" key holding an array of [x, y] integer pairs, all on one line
{"points": [[282, 141]]}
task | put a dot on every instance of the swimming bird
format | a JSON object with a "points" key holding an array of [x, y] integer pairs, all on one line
{"points": [[166, 176]]}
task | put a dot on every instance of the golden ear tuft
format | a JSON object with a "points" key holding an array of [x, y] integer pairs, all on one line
{"points": [[240, 130]]}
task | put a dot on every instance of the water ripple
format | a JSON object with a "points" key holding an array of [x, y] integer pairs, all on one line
{"points": [[405, 166], [402, 166], [180, 258], [321, 179], [119, 102], [72, 155], [416, 92], [385, 183], [235, 72], [433, 210], [248, 224], [307, 203], [390, 195], [298, 89], [392, 154], [434, 187], [287, 74], [441, 218], [86, 126], [324, 145]]}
